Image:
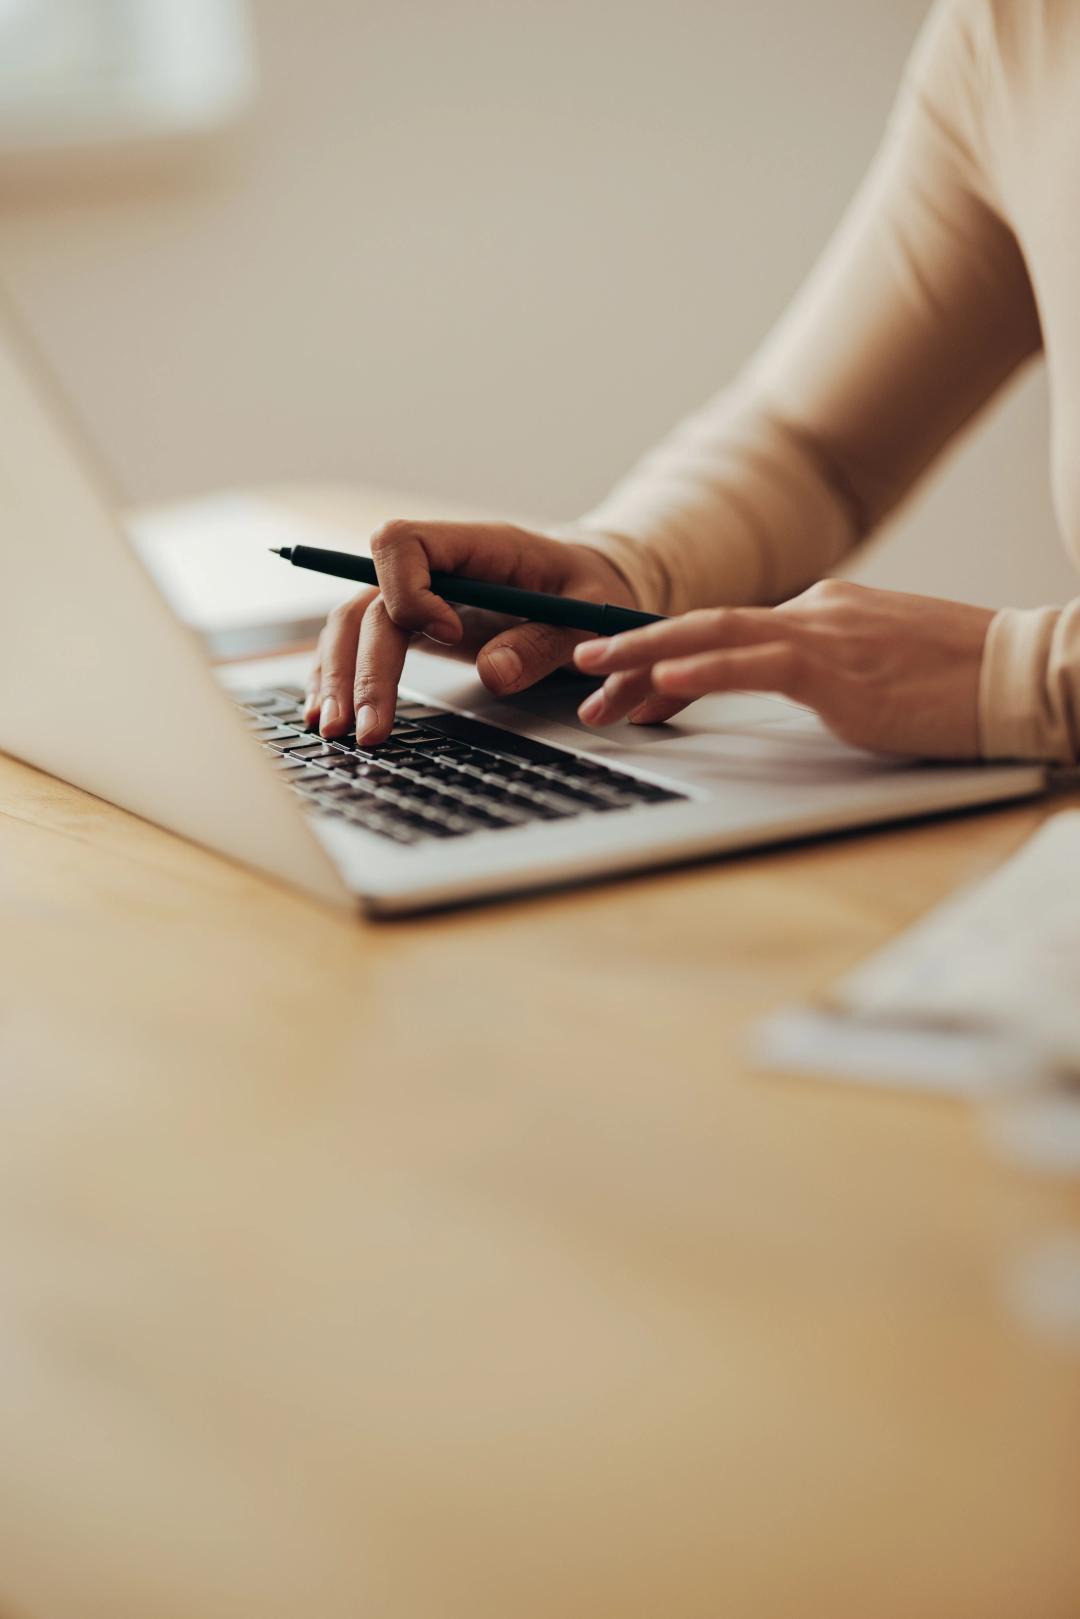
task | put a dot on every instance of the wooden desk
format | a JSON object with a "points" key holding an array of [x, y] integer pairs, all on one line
{"points": [[458, 1269]]}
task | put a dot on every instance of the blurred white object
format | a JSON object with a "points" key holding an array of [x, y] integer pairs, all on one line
{"points": [[980, 998], [1040, 1128], [83, 74], [211, 559], [1043, 1288], [1002, 957], [826, 1044]]}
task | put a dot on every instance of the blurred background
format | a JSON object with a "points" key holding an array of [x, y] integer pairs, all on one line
{"points": [[485, 250]]}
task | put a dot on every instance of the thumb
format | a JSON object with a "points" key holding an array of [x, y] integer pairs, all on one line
{"points": [[519, 657]]}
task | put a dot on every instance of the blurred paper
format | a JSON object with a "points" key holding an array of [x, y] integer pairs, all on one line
{"points": [[981, 997], [1043, 1288], [1039, 1129], [211, 559], [1003, 956], [832, 1045]]}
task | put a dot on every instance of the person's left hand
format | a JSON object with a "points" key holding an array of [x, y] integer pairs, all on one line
{"points": [[888, 672]]}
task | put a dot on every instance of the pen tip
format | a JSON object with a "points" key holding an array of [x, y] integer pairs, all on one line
{"points": [[274, 552]]}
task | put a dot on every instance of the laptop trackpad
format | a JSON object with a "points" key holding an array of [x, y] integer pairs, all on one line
{"points": [[554, 701]]}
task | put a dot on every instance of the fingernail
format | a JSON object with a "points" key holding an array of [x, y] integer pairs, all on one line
{"points": [[329, 713], [590, 654], [366, 720], [592, 708], [648, 714], [444, 631], [505, 665]]}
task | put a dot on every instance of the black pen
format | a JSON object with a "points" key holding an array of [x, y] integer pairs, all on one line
{"points": [[600, 618]]}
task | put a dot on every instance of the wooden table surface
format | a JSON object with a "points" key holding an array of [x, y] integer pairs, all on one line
{"points": [[460, 1267]]}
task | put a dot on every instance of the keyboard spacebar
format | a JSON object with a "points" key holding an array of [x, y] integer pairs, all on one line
{"points": [[478, 735]]}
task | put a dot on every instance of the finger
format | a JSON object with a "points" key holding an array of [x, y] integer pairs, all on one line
{"points": [[380, 658], [617, 697], [656, 710], [400, 551], [701, 631], [314, 681], [405, 553], [338, 663], [777, 666], [520, 656]]}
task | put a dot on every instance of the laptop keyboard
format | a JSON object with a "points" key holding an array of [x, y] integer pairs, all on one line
{"points": [[438, 775]]}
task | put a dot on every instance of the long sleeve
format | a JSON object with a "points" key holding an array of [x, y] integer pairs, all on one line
{"points": [[918, 311], [1029, 693]]}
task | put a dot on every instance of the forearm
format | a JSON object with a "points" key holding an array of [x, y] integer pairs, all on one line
{"points": [[735, 506], [1029, 690], [919, 309]]}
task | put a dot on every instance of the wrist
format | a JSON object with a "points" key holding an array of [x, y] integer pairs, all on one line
{"points": [[612, 583]]}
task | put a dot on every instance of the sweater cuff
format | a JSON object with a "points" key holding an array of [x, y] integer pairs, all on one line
{"points": [[1021, 714], [633, 559]]}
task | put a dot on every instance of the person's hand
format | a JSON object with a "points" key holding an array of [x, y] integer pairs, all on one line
{"points": [[888, 672], [363, 643]]}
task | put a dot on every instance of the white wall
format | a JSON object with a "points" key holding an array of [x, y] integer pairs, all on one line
{"points": [[490, 249]]}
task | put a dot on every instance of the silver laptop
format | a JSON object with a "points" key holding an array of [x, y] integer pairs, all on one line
{"points": [[472, 797]]}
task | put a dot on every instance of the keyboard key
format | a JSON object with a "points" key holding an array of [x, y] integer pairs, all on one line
{"points": [[510, 814], [326, 759], [419, 790], [613, 797], [268, 703], [303, 747], [434, 745], [649, 793], [508, 770], [367, 814], [567, 793], [347, 764]]}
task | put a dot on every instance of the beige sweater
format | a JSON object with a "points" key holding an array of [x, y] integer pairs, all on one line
{"points": [[959, 259]]}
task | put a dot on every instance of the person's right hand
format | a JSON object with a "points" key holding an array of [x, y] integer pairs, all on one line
{"points": [[362, 647]]}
